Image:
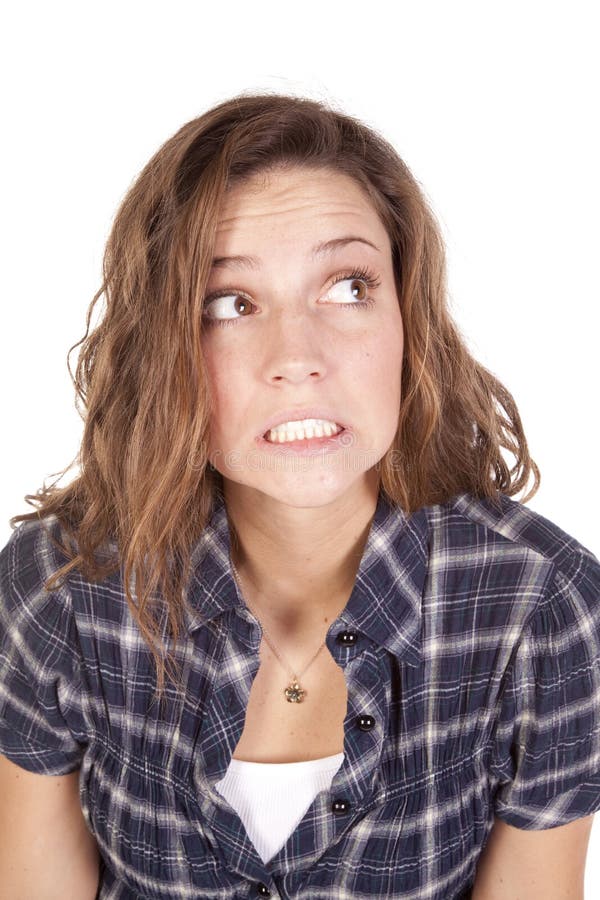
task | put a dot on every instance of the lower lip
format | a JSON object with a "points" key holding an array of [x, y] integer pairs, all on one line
{"points": [[307, 446]]}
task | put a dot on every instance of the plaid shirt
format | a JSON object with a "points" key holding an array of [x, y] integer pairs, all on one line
{"points": [[471, 637]]}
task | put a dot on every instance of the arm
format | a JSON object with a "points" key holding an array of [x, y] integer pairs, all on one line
{"points": [[533, 865], [46, 848]]}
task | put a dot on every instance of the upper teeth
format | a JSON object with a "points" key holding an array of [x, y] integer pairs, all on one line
{"points": [[305, 428]]}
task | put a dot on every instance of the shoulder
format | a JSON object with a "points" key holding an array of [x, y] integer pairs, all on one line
{"points": [[27, 560], [508, 568], [516, 528], [41, 718], [33, 617]]}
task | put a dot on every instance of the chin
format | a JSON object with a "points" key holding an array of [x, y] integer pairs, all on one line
{"points": [[306, 489]]}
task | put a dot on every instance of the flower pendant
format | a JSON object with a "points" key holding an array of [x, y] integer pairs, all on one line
{"points": [[294, 693]]}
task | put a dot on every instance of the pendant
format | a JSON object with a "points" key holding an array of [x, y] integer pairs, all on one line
{"points": [[294, 693]]}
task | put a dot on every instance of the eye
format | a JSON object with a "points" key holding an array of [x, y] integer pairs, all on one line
{"points": [[356, 284], [360, 281], [357, 280], [220, 304]]}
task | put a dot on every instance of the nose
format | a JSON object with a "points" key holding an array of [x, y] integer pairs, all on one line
{"points": [[295, 348]]}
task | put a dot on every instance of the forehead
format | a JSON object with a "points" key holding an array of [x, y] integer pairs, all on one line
{"points": [[298, 196]]}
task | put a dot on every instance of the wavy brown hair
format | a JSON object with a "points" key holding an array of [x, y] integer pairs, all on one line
{"points": [[145, 479]]}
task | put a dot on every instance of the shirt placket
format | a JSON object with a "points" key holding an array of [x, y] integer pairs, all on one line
{"points": [[354, 785]]}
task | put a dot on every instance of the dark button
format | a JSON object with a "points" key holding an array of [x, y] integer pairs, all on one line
{"points": [[262, 890], [340, 806], [347, 638], [365, 723]]}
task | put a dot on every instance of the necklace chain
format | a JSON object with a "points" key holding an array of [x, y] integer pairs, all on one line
{"points": [[294, 693]]}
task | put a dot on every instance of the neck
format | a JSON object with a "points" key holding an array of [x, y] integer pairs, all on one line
{"points": [[298, 563]]}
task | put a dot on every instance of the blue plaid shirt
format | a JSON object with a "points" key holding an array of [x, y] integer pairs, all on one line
{"points": [[471, 637]]}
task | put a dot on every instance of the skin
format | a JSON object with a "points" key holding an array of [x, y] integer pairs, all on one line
{"points": [[301, 522], [547, 864]]}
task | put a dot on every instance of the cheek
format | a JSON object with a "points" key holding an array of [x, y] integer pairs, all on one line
{"points": [[224, 384], [377, 369], [215, 360]]}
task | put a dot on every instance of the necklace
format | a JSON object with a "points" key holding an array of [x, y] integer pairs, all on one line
{"points": [[294, 692]]}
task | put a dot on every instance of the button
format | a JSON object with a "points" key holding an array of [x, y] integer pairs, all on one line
{"points": [[338, 807], [365, 723], [262, 890], [347, 638]]}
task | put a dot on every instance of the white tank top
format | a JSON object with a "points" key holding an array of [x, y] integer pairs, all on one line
{"points": [[272, 798]]}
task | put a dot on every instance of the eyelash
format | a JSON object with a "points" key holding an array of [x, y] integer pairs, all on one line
{"points": [[360, 274]]}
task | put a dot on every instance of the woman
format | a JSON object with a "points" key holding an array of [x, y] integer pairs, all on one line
{"points": [[383, 671]]}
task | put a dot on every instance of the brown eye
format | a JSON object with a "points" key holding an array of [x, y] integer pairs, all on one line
{"points": [[242, 305], [359, 285], [354, 286], [220, 308]]}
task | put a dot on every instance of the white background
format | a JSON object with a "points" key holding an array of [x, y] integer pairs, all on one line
{"points": [[494, 107]]}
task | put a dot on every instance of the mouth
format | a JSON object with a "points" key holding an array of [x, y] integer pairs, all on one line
{"points": [[306, 433], [309, 444]]}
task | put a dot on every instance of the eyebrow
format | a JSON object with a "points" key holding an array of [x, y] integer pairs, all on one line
{"points": [[324, 248]]}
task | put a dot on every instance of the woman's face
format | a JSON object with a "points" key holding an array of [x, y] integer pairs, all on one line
{"points": [[289, 340]]}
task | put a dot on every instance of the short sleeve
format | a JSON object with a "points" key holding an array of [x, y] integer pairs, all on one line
{"points": [[41, 721], [547, 753]]}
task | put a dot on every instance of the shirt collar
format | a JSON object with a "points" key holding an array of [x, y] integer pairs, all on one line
{"points": [[385, 603]]}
